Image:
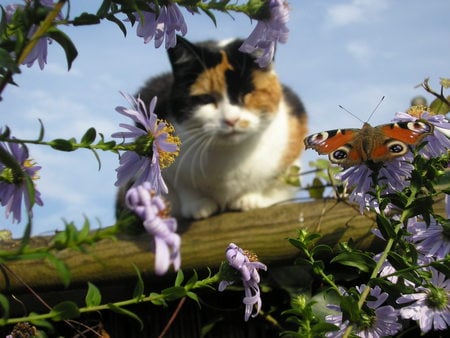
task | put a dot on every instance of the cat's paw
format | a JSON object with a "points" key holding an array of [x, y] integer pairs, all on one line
{"points": [[198, 208], [249, 202]]}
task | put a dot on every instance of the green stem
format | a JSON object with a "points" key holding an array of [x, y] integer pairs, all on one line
{"points": [[207, 282], [75, 146], [378, 266]]}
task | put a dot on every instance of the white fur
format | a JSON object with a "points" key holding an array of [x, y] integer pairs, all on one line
{"points": [[228, 167]]}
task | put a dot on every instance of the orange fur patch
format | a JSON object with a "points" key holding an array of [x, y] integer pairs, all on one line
{"points": [[298, 130], [267, 92], [212, 80]]}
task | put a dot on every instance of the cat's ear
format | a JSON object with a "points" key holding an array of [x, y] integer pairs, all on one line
{"points": [[187, 56], [183, 52]]}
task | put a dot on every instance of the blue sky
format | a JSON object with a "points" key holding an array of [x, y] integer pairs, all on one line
{"points": [[344, 52]]}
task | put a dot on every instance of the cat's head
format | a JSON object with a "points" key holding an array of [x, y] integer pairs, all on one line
{"points": [[221, 90]]}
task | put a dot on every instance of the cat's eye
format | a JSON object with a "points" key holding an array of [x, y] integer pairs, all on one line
{"points": [[206, 99]]}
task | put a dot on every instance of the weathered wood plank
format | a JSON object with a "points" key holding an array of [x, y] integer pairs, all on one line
{"points": [[264, 231]]}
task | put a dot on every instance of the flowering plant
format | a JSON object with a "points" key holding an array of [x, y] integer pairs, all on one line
{"points": [[409, 278]]}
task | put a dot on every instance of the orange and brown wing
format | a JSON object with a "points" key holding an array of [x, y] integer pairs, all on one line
{"points": [[327, 141], [411, 132]]}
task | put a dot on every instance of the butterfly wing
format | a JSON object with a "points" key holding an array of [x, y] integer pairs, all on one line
{"points": [[349, 147], [392, 140], [327, 141], [411, 132]]}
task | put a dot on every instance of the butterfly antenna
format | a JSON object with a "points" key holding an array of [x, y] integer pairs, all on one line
{"points": [[348, 111], [376, 107]]}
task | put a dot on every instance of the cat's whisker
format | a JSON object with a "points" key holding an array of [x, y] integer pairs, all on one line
{"points": [[203, 144], [188, 147], [199, 155], [205, 155]]}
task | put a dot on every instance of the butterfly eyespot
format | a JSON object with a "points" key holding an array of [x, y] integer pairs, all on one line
{"points": [[397, 148], [339, 155]]}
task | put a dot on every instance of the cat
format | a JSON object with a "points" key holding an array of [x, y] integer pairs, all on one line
{"points": [[240, 129]]}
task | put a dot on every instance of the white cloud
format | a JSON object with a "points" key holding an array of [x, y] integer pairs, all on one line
{"points": [[354, 11], [360, 51]]}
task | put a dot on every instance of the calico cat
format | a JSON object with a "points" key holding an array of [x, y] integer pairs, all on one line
{"points": [[240, 129]]}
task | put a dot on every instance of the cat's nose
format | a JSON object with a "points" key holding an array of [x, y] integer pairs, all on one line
{"points": [[231, 122]]}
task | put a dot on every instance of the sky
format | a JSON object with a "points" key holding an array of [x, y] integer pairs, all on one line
{"points": [[339, 52]]}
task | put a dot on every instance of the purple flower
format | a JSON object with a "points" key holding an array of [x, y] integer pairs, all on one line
{"points": [[39, 51], [165, 25], [151, 208], [262, 41], [155, 146], [438, 143], [376, 321], [13, 189], [430, 306], [247, 265], [392, 175], [432, 240]]}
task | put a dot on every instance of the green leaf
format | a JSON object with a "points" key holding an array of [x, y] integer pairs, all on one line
{"points": [[125, 312], [386, 227], [7, 62], [350, 310], [180, 278], [41, 131], [61, 144], [119, 23], [83, 234], [173, 293], [138, 291], [190, 283], [210, 15], [438, 106], [156, 299], [65, 310], [193, 296], [61, 268], [64, 41], [86, 19], [89, 136], [317, 189], [321, 249], [359, 260], [93, 296], [4, 303], [399, 262], [104, 8]]}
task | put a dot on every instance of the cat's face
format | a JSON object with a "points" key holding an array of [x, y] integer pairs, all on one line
{"points": [[222, 92]]}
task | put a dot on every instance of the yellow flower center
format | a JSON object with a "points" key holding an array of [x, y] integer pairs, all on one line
{"points": [[252, 257], [418, 110], [29, 163], [167, 158]]}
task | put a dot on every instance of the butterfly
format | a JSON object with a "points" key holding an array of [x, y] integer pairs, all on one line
{"points": [[350, 147]]}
